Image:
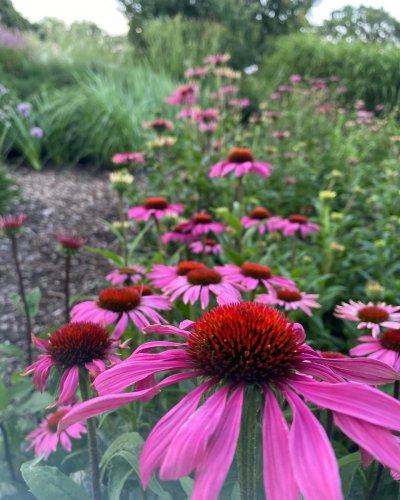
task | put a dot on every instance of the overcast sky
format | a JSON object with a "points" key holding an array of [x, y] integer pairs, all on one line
{"points": [[106, 15]]}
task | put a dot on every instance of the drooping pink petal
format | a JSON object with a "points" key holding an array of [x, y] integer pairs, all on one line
{"points": [[211, 473], [353, 399], [190, 441], [68, 385], [279, 481], [314, 463], [376, 440]]}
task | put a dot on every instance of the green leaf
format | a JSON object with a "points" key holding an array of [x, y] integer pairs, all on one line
{"points": [[230, 219], [48, 483], [234, 257], [135, 242], [4, 396], [33, 298], [107, 254], [348, 468]]}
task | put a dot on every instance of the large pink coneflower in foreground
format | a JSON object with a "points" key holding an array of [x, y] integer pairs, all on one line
{"points": [[239, 353], [199, 284], [290, 299], [370, 316], [298, 224], [45, 439], [71, 347], [386, 348], [252, 275], [263, 219], [118, 306], [157, 207], [126, 274], [240, 161]]}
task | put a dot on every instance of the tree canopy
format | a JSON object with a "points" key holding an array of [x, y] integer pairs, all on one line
{"points": [[10, 18]]}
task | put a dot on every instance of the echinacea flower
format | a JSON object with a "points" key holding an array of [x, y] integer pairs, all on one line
{"points": [[203, 223], [157, 207], [236, 350], [180, 233], [295, 78], [71, 347], [162, 275], [197, 285], [217, 59], [159, 125], [290, 299], [280, 134], [10, 225], [123, 158], [263, 219], [45, 439], [120, 305], [252, 275], [185, 95], [196, 72], [70, 242], [239, 103], [371, 316], [208, 246], [126, 274], [240, 161], [386, 348], [298, 224]]}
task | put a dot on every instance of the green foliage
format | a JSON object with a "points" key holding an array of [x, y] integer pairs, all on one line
{"points": [[369, 71], [11, 18], [8, 190], [361, 23]]}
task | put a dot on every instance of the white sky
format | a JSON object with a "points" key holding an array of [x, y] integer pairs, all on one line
{"points": [[106, 15]]}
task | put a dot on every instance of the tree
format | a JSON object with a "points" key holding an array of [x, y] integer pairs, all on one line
{"points": [[10, 18], [363, 23]]}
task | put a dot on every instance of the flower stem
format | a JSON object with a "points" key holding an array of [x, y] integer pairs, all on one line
{"points": [[124, 243], [14, 249], [294, 251], [247, 459], [84, 385], [158, 231], [7, 452], [375, 484], [66, 284]]}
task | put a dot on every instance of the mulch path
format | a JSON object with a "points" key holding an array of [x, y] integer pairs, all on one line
{"points": [[69, 200]]}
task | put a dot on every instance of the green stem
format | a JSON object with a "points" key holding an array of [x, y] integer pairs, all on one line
{"points": [[247, 459], [294, 252], [66, 284], [14, 248], [124, 243], [84, 385], [158, 232], [7, 452]]}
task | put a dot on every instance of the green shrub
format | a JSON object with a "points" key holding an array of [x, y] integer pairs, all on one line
{"points": [[8, 190], [370, 71]]}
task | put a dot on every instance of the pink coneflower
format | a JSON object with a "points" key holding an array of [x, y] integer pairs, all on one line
{"points": [[203, 223], [217, 59], [275, 96], [157, 207], [298, 224], [159, 125], [228, 349], [208, 246], [180, 233], [126, 274], [280, 134], [185, 95], [285, 88], [118, 306], [239, 103], [122, 158], [71, 347], [263, 219], [290, 299], [371, 316], [70, 242], [196, 72], [385, 348], [295, 78], [11, 224], [251, 275], [162, 275], [46, 438], [273, 114], [241, 161], [199, 284]]}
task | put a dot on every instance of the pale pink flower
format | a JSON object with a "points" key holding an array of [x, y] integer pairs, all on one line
{"points": [[285, 88], [122, 158], [232, 347], [295, 78], [263, 219], [118, 306], [45, 438], [385, 348], [240, 161], [298, 224], [157, 207], [239, 103], [217, 59], [290, 299], [208, 246], [126, 274], [185, 95], [251, 275], [280, 134], [371, 316], [196, 72], [70, 348], [162, 275], [159, 125], [275, 96]]}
